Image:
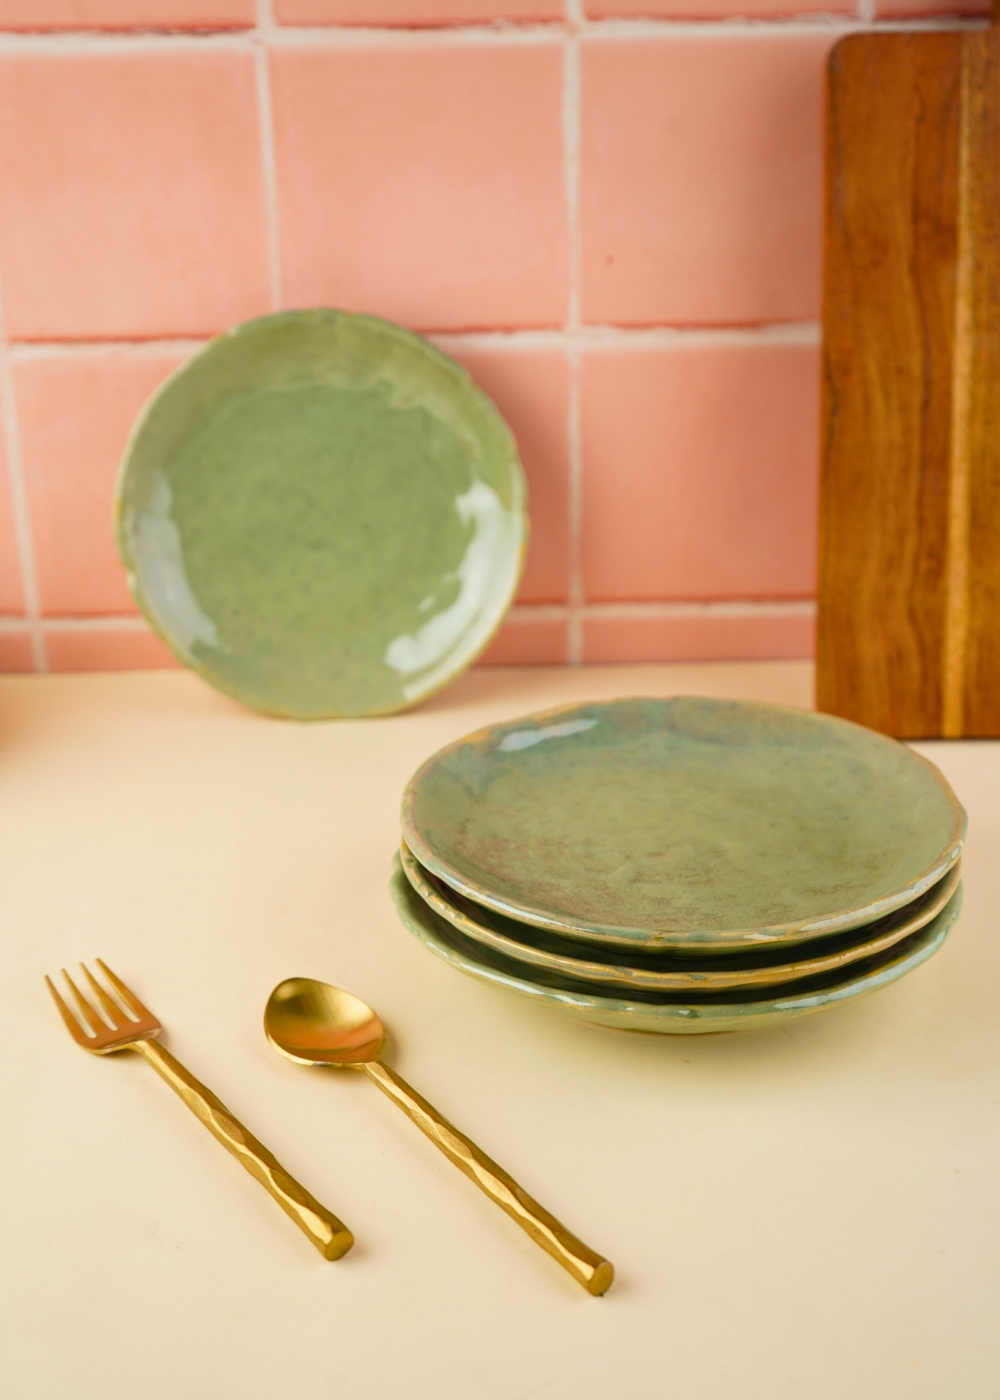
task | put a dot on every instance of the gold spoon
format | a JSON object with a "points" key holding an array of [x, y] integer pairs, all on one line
{"points": [[316, 1024]]}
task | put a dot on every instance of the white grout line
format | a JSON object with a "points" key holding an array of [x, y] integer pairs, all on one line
{"points": [[520, 612], [765, 333], [19, 503], [446, 36], [577, 338], [624, 30], [571, 171], [539, 612], [723, 607], [574, 639], [74, 42], [847, 23], [130, 622], [567, 338], [68, 42], [25, 352], [265, 28], [571, 334], [783, 332]]}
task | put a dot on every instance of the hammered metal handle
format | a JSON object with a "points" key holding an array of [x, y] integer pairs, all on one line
{"points": [[330, 1236], [590, 1269]]}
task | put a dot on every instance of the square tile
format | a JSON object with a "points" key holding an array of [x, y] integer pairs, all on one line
{"points": [[126, 14], [709, 637], [528, 641], [131, 199], [15, 653], [701, 471], [701, 178], [106, 649], [423, 183], [11, 592], [75, 415], [531, 390], [414, 13]]}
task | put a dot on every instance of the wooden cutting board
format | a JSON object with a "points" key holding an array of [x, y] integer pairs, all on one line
{"points": [[909, 589]]}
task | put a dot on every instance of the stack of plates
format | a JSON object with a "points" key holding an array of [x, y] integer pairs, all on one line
{"points": [[681, 865]]}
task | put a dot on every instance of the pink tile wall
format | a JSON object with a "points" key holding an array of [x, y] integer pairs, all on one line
{"points": [[701, 178], [75, 414], [739, 633], [424, 184], [12, 602], [131, 194], [105, 649], [607, 210], [531, 388], [693, 480]]}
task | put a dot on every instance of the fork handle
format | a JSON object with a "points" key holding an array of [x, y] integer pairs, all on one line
{"points": [[330, 1236], [591, 1269]]}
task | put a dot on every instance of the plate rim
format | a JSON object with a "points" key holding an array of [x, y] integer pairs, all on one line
{"points": [[704, 979], [518, 509], [678, 1013], [723, 939]]}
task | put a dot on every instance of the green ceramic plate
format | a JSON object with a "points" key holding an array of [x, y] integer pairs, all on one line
{"points": [[658, 971], [649, 1011], [709, 824], [322, 515]]}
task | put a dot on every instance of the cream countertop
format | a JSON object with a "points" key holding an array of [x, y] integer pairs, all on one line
{"points": [[806, 1212]]}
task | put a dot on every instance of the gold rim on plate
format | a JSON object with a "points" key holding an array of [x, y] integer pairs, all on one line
{"points": [[459, 913]]}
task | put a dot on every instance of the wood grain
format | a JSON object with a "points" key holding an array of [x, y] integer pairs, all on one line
{"points": [[909, 610], [981, 216]]}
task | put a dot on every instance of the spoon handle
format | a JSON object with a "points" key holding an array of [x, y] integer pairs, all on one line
{"points": [[330, 1236], [588, 1268]]}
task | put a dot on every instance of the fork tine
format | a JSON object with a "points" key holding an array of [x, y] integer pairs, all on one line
{"points": [[130, 999], [86, 1010], [72, 1024], [111, 1008]]}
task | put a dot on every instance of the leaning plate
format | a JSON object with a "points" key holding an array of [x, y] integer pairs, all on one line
{"points": [[709, 824], [322, 515], [651, 1011], [627, 970]]}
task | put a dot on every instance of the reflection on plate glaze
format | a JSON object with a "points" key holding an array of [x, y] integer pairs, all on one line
{"points": [[177, 609], [433, 644], [322, 515], [528, 738]]}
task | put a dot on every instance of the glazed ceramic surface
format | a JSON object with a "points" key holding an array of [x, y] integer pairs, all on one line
{"points": [[650, 1011], [322, 515], [523, 943], [684, 822]]}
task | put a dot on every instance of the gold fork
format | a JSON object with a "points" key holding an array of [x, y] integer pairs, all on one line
{"points": [[136, 1028]]}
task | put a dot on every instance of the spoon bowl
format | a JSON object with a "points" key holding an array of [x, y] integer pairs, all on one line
{"points": [[316, 1024]]}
